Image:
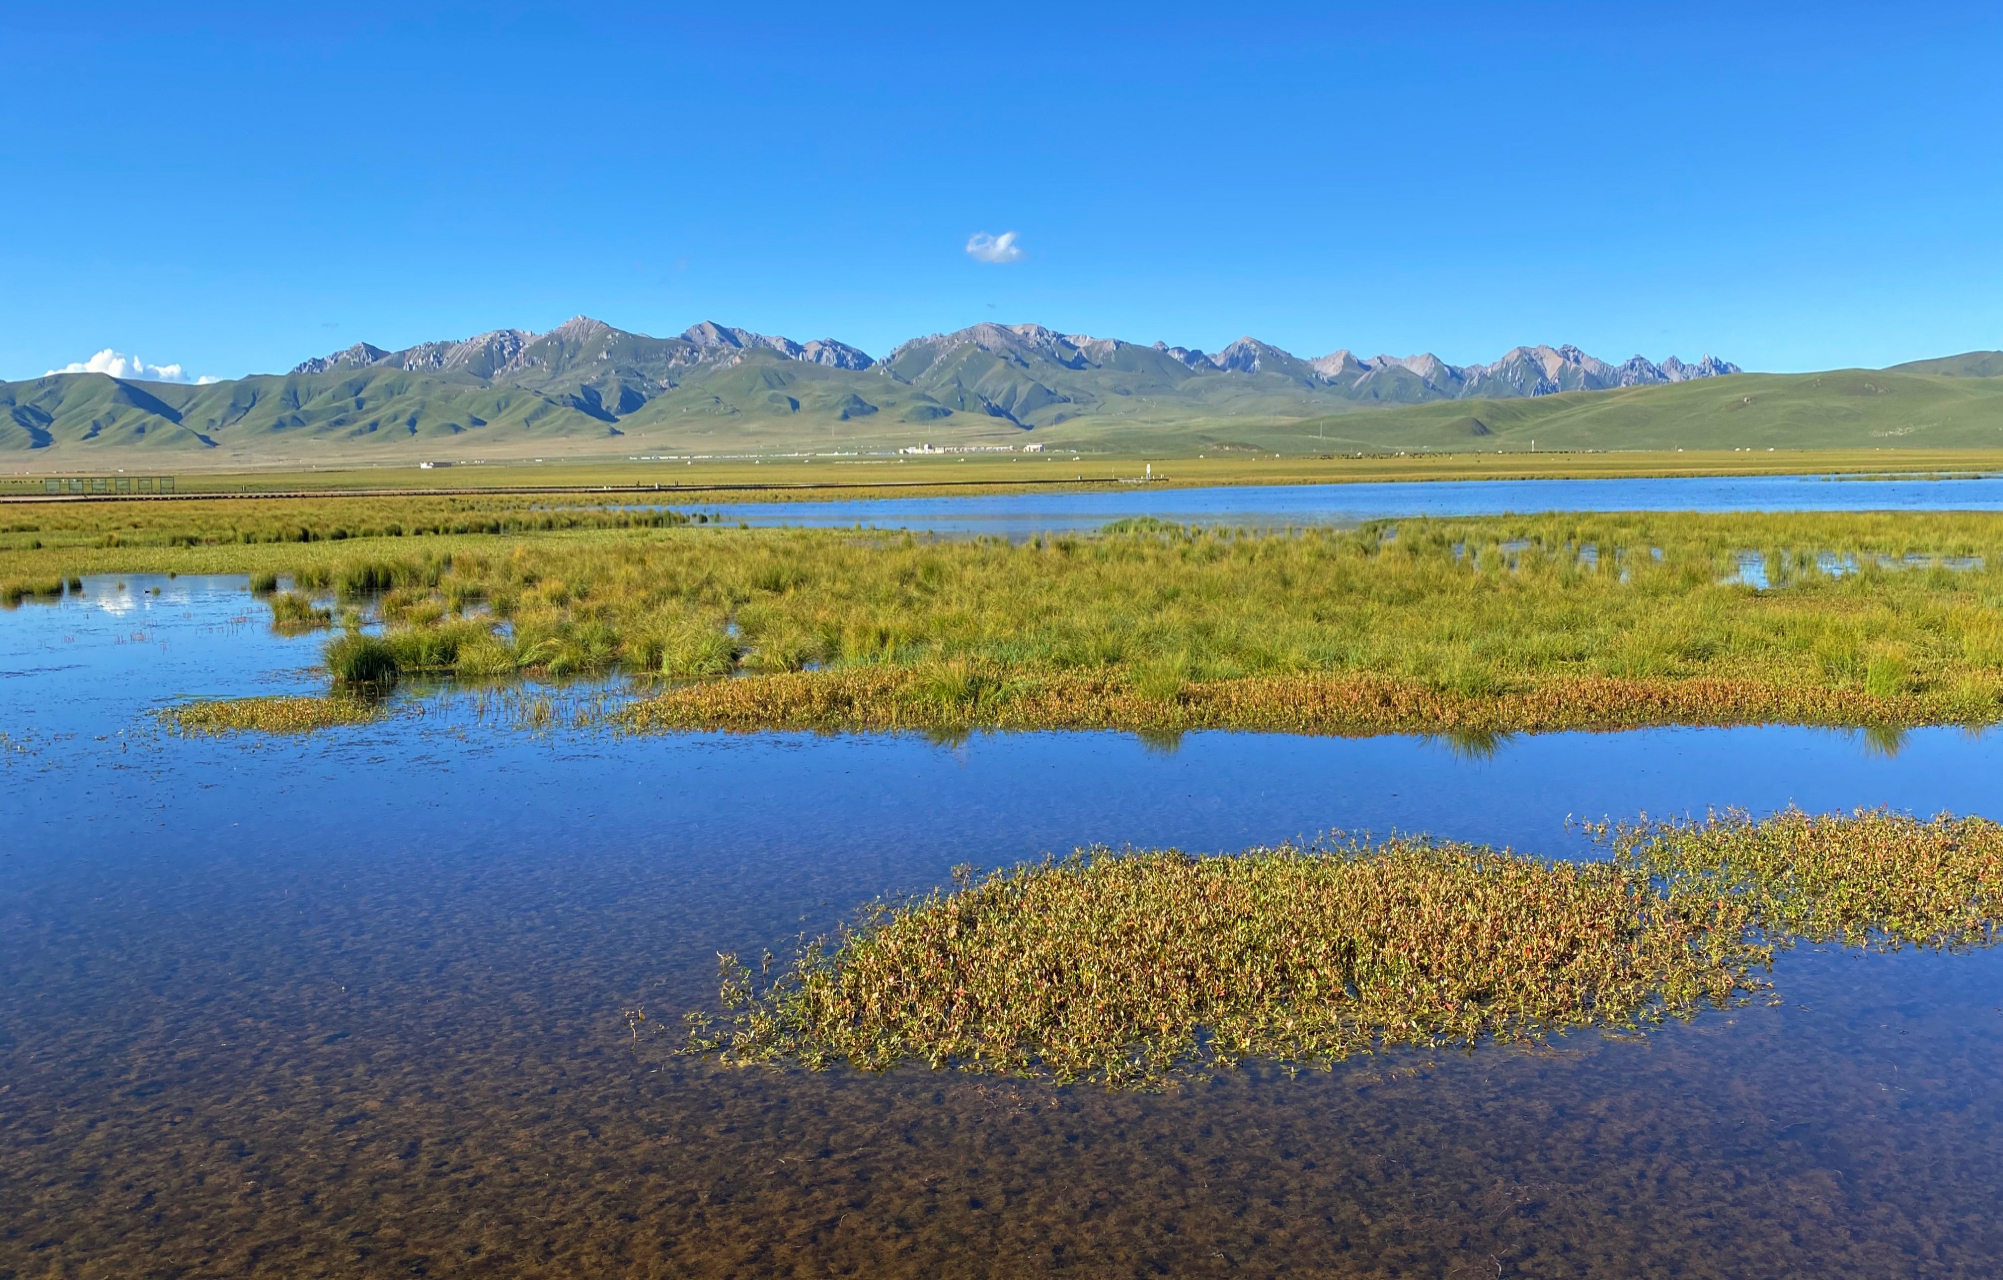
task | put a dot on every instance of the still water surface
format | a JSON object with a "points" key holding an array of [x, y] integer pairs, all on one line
{"points": [[1019, 516], [351, 1005]]}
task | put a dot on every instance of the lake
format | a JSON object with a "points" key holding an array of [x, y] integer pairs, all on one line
{"points": [[355, 1004], [1019, 516]]}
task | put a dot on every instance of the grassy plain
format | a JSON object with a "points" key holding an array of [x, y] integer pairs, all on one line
{"points": [[1466, 625], [1134, 968], [778, 479]]}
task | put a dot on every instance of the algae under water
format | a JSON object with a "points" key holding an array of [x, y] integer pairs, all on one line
{"points": [[353, 1004]]}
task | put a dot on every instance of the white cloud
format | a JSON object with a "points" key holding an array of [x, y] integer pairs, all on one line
{"points": [[120, 365], [982, 247]]}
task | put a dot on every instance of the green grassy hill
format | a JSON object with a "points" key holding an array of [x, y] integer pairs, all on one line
{"points": [[588, 389], [1969, 364], [1843, 409]]}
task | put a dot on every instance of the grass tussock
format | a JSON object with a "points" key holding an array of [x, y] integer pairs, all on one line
{"points": [[294, 612], [1132, 968], [271, 715], [358, 660]]}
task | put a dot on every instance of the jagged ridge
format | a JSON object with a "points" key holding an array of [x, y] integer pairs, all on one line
{"points": [[586, 378]]}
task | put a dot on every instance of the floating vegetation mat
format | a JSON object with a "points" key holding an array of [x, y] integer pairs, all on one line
{"points": [[271, 715], [1132, 968]]}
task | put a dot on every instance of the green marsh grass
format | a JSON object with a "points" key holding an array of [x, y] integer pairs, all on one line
{"points": [[360, 660], [271, 715], [294, 611], [1493, 624], [14, 590], [1135, 968]]}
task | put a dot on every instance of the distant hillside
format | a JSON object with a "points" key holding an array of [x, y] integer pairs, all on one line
{"points": [[1846, 408], [588, 387], [1969, 364]]}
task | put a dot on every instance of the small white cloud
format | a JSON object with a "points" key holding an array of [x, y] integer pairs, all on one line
{"points": [[982, 247], [120, 365]]}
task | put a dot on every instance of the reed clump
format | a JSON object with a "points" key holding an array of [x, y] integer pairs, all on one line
{"points": [[1133, 968], [271, 715], [356, 659], [14, 590], [294, 611]]}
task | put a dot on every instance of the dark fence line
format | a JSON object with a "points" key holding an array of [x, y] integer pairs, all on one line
{"points": [[105, 486]]}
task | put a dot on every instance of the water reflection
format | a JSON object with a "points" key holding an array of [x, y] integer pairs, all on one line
{"points": [[1884, 741], [357, 1004], [1160, 742], [1761, 569], [1473, 745]]}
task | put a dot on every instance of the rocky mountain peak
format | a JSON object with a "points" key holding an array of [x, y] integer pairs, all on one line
{"points": [[1189, 357], [359, 356], [1246, 355], [1336, 365], [580, 329], [827, 351], [1710, 366]]}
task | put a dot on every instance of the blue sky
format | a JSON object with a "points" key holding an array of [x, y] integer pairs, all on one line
{"points": [[232, 189]]}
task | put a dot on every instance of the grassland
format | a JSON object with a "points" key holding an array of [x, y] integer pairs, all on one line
{"points": [[1477, 625], [780, 479], [1134, 968], [1840, 409]]}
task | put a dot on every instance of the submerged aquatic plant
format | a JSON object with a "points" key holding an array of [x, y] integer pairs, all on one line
{"points": [[1130, 968]]}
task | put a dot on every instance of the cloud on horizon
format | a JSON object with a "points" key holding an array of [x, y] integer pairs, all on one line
{"points": [[120, 365], [982, 247]]}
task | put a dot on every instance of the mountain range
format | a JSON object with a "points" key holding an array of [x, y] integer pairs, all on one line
{"points": [[722, 389], [586, 387], [1041, 369]]}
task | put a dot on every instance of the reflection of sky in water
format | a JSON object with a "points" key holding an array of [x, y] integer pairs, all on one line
{"points": [[364, 985], [1260, 506], [76, 666]]}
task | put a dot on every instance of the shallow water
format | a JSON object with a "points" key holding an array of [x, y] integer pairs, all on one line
{"points": [[1019, 516], [351, 1005]]}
